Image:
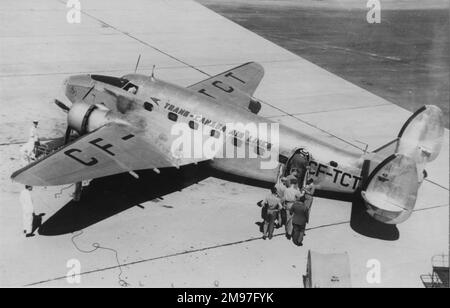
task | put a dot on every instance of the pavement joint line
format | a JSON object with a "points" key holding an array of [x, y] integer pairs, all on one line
{"points": [[23, 142], [330, 110], [141, 41], [179, 254], [437, 184], [185, 252], [363, 53], [149, 68]]}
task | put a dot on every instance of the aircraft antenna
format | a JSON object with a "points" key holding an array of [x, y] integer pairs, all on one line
{"points": [[365, 144], [153, 73], [137, 63]]}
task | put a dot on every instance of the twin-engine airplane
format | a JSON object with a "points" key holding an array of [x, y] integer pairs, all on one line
{"points": [[125, 124]]}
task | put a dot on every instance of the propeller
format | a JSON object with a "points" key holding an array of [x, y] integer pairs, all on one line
{"points": [[66, 109], [61, 105], [67, 135]]}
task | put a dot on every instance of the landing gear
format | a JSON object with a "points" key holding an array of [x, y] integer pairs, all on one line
{"points": [[79, 187], [77, 192]]}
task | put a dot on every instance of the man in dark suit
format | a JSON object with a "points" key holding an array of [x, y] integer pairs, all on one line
{"points": [[299, 219], [273, 204]]}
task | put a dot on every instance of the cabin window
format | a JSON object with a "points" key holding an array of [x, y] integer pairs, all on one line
{"points": [[193, 125], [172, 116], [333, 164], [214, 134], [148, 106], [237, 142]]}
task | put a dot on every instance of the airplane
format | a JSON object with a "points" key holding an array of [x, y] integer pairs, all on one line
{"points": [[125, 124]]}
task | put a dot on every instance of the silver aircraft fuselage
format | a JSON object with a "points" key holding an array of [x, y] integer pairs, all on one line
{"points": [[333, 168]]}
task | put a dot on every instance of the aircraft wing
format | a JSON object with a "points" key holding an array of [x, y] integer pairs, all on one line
{"points": [[111, 149], [235, 86]]}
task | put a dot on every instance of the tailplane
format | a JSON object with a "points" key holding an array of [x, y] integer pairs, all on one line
{"points": [[393, 173]]}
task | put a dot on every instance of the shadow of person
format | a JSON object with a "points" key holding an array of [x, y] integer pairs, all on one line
{"points": [[111, 195], [364, 224], [260, 225], [37, 221]]}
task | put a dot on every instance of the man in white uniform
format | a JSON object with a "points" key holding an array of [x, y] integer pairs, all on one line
{"points": [[27, 210], [33, 132], [34, 137]]}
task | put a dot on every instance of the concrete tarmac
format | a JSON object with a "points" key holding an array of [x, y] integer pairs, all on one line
{"points": [[162, 231]]}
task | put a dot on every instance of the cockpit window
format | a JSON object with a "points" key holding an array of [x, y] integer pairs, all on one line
{"points": [[117, 82], [114, 81], [131, 88]]}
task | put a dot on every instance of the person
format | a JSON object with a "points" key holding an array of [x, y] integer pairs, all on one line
{"points": [[281, 188], [132, 90], [291, 194], [33, 132], [27, 210], [300, 161], [309, 191], [273, 203], [34, 137], [299, 220], [27, 152], [292, 176]]}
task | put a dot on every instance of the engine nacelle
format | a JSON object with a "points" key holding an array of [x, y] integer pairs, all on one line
{"points": [[85, 118]]}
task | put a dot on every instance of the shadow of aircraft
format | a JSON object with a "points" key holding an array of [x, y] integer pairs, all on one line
{"points": [[108, 196], [364, 224]]}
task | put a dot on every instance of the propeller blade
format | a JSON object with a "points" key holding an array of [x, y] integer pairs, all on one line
{"points": [[61, 105], [67, 135]]}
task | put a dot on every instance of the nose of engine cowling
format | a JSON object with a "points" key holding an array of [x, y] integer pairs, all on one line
{"points": [[77, 86]]}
